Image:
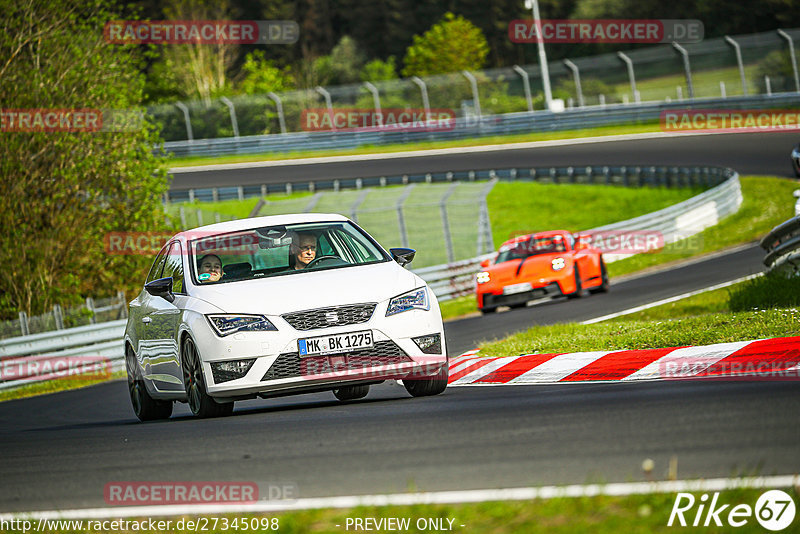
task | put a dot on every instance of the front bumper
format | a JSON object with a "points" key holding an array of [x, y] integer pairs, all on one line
{"points": [[493, 300], [279, 369]]}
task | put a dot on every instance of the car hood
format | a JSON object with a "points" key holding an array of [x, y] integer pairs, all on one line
{"points": [[534, 266], [313, 289]]}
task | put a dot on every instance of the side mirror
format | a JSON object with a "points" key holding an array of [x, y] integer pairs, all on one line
{"points": [[403, 256], [485, 263], [161, 288], [581, 242]]}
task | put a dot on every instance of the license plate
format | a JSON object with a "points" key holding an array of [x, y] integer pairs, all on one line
{"points": [[516, 288], [335, 344]]}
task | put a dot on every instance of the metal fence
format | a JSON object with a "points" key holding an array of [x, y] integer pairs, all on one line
{"points": [[92, 311], [783, 248], [743, 65]]}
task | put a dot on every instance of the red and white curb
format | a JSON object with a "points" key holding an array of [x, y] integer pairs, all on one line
{"points": [[763, 359]]}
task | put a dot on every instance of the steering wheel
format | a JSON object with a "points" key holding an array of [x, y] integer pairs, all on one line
{"points": [[318, 261]]}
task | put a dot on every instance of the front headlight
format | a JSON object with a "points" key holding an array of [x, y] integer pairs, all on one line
{"points": [[482, 277], [416, 299], [558, 264], [226, 324]]}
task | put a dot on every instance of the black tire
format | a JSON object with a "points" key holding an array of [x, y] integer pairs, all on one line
{"points": [[578, 286], [144, 406], [603, 287], [200, 402], [487, 311], [426, 387], [348, 393]]}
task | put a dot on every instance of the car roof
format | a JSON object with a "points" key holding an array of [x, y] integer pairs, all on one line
{"points": [[269, 220]]}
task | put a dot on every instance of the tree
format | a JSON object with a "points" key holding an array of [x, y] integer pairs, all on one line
{"points": [[451, 45], [342, 66], [377, 70], [262, 76], [61, 193]]}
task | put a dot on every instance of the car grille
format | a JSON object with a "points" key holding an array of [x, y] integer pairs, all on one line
{"points": [[290, 364], [333, 316]]}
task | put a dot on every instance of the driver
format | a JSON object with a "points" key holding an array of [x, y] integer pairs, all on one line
{"points": [[303, 250]]}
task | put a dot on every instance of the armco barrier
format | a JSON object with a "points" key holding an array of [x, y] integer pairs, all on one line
{"points": [[783, 247], [764, 359], [488, 125], [680, 221], [40, 351]]}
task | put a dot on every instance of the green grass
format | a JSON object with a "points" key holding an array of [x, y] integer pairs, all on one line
{"points": [[54, 386], [705, 82], [767, 203], [518, 208], [591, 515], [770, 291], [652, 126]]}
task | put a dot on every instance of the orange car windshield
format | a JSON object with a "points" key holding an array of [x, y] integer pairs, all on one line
{"points": [[532, 247]]}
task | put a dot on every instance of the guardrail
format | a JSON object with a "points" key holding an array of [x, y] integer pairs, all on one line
{"points": [[488, 125], [676, 222], [783, 247], [74, 351]]}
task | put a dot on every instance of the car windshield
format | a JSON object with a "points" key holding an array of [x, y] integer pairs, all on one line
{"points": [[269, 251], [531, 247]]}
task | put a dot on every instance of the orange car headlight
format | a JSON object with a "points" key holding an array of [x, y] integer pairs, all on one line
{"points": [[558, 264]]}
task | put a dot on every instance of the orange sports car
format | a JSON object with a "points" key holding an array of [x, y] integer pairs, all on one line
{"points": [[538, 265]]}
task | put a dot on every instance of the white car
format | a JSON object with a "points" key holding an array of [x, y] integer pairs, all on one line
{"points": [[354, 316]]}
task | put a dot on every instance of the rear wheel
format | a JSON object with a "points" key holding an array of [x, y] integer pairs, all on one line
{"points": [[145, 407], [425, 387], [351, 392], [200, 402], [603, 287], [578, 286]]}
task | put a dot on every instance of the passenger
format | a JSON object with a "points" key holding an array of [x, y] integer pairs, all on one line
{"points": [[303, 250], [210, 268]]}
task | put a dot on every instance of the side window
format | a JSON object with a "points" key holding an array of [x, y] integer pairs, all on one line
{"points": [[158, 266], [173, 266]]}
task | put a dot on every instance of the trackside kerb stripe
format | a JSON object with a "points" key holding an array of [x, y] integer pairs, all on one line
{"points": [[777, 358], [515, 368], [766, 355], [617, 365]]}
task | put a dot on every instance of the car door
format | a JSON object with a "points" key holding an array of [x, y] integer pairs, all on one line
{"points": [[161, 319]]}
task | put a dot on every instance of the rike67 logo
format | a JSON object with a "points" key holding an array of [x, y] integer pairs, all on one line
{"points": [[774, 510]]}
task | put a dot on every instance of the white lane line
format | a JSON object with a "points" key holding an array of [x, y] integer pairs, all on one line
{"points": [[433, 152], [438, 497], [694, 359], [670, 299], [557, 368]]}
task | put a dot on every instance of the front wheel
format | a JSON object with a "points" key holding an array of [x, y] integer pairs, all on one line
{"points": [[200, 402], [603, 287], [425, 387], [351, 392], [578, 286], [145, 407]]}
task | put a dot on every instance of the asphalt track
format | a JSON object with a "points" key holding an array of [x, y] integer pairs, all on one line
{"points": [[59, 451], [748, 153]]}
